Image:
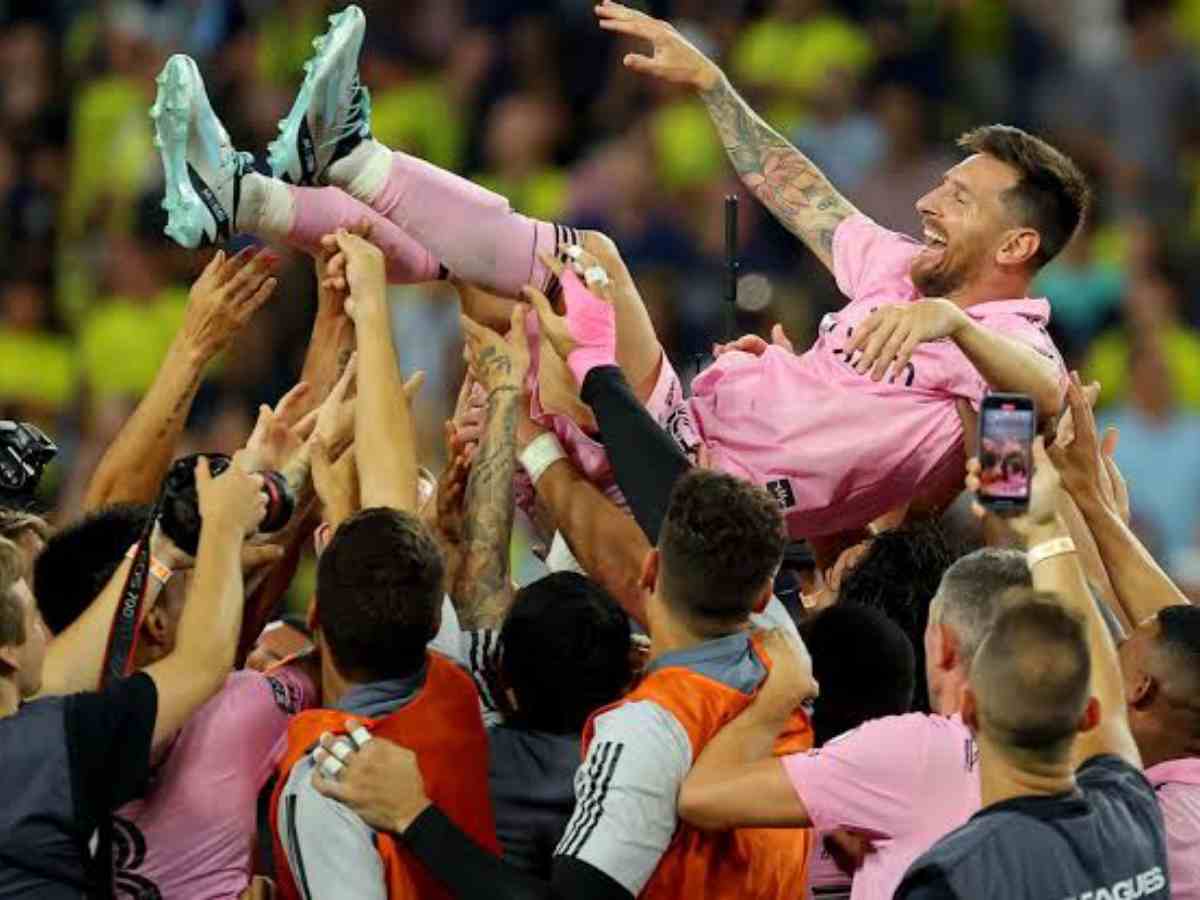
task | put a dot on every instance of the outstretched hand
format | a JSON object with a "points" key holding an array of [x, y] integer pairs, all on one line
{"points": [[589, 325], [495, 361], [889, 335], [672, 58], [224, 298]]}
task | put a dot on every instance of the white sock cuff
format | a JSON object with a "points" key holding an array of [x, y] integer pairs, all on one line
{"points": [[364, 171], [267, 210]]}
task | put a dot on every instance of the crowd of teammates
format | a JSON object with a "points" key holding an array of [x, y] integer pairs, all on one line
{"points": [[757, 669]]}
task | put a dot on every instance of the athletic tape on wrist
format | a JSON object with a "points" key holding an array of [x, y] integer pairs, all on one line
{"points": [[542, 452], [1047, 549]]}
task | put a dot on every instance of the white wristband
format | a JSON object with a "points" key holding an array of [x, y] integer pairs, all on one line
{"points": [[1046, 550], [542, 452]]}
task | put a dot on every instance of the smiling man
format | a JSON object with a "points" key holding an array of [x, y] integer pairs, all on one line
{"points": [[866, 419]]}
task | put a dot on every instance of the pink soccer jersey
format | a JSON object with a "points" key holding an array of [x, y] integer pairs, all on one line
{"points": [[903, 780], [1177, 786], [834, 447], [192, 836]]}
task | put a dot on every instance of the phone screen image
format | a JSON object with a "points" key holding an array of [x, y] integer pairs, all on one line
{"points": [[1006, 450]]}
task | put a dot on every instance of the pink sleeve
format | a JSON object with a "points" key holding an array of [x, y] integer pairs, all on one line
{"points": [[862, 780], [868, 257], [255, 710]]}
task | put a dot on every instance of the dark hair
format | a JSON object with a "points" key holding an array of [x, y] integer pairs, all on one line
{"points": [[721, 542], [899, 575], [12, 617], [566, 652], [865, 665], [379, 594], [1179, 640], [80, 559], [1134, 12], [1032, 675], [1051, 194]]}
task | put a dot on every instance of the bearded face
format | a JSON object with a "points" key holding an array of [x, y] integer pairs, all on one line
{"points": [[964, 218]]}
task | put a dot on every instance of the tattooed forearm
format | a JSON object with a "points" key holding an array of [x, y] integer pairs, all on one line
{"points": [[484, 591], [784, 179]]}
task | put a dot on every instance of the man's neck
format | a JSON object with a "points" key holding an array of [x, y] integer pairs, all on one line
{"points": [[10, 697], [670, 635], [1001, 779], [989, 288]]}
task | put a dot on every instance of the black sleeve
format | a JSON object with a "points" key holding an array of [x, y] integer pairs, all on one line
{"points": [[645, 460], [929, 884], [108, 740], [474, 874]]}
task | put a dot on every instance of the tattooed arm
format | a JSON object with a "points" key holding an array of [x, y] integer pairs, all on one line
{"points": [[484, 591], [781, 177], [224, 297]]}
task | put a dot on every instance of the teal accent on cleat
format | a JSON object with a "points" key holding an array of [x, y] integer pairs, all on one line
{"points": [[332, 111], [201, 168]]}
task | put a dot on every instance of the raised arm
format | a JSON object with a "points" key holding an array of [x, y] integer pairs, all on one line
{"points": [[1058, 571], [484, 591], [606, 541], [781, 177], [384, 439], [231, 506], [1141, 587], [222, 300]]}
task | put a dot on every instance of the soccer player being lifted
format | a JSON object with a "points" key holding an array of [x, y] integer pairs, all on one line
{"points": [[860, 424]]}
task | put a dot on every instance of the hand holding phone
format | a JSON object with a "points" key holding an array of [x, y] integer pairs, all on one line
{"points": [[1007, 425]]}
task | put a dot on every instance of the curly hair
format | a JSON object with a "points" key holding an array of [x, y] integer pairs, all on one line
{"points": [[721, 543], [379, 594], [899, 575]]}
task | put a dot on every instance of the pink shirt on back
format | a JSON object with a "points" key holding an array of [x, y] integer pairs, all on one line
{"points": [[1177, 785], [904, 780], [836, 448], [192, 836]]}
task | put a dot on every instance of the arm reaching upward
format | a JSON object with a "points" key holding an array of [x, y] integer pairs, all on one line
{"points": [[499, 364], [222, 300], [783, 179]]}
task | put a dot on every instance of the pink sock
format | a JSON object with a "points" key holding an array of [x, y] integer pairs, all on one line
{"points": [[320, 211], [592, 323], [473, 231]]}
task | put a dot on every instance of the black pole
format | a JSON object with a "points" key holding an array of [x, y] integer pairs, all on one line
{"points": [[731, 265]]}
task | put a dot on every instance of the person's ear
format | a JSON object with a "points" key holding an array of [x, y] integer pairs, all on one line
{"points": [[1144, 692], [948, 647], [969, 709], [156, 624], [764, 596], [1091, 715], [10, 658], [1019, 247], [650, 565]]}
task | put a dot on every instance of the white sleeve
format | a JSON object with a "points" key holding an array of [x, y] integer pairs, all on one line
{"points": [[450, 640], [626, 793]]}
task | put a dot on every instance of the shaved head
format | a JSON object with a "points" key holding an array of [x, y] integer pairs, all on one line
{"points": [[1031, 678]]}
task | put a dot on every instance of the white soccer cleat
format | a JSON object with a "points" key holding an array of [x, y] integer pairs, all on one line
{"points": [[203, 170], [332, 112]]}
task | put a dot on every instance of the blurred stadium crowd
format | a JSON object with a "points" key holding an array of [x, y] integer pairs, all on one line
{"points": [[529, 98]]}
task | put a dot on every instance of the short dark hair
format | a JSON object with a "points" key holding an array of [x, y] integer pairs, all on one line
{"points": [[12, 617], [79, 560], [865, 665], [721, 542], [1051, 195], [566, 652], [379, 594], [1032, 676], [899, 576], [1179, 644]]}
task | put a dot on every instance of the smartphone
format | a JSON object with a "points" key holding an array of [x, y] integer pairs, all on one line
{"points": [[1007, 425]]}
